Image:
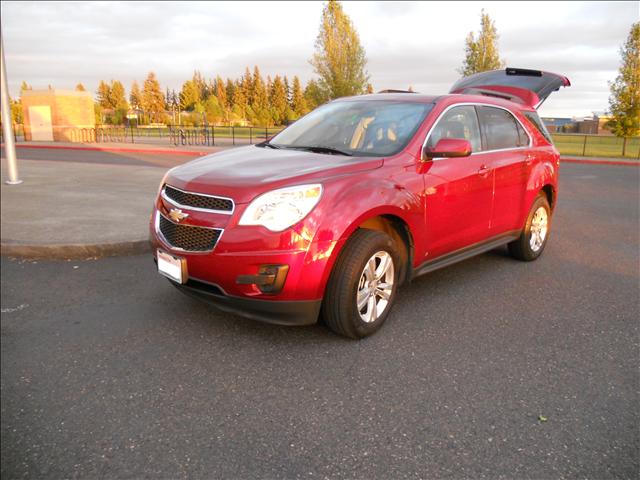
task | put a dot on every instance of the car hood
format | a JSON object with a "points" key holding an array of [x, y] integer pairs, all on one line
{"points": [[245, 172]]}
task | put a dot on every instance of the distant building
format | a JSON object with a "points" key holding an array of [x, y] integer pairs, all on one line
{"points": [[58, 115], [593, 125], [556, 124]]}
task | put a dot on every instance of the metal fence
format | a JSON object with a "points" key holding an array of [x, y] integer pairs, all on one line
{"points": [[208, 136], [567, 144], [597, 145]]}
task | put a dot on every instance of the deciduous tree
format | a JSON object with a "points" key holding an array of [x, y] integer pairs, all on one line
{"points": [[481, 52], [339, 59], [312, 94], [80, 88], [624, 102]]}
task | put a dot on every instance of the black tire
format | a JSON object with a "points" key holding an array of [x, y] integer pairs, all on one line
{"points": [[521, 248], [339, 308]]}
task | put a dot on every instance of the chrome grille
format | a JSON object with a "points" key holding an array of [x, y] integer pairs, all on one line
{"points": [[188, 237], [196, 200]]}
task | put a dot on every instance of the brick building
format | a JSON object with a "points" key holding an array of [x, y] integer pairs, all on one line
{"points": [[58, 115]]}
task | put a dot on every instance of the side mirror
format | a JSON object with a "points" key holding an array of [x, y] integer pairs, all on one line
{"points": [[448, 148]]}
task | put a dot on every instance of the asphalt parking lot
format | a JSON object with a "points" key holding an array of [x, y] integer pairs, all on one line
{"points": [[110, 372]]}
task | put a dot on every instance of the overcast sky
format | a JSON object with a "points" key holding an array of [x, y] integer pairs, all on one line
{"points": [[419, 44]]}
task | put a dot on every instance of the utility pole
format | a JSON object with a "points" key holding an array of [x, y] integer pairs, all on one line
{"points": [[9, 145]]}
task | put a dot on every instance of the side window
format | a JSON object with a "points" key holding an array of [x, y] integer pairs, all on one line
{"points": [[524, 137], [536, 122], [459, 122], [500, 128]]}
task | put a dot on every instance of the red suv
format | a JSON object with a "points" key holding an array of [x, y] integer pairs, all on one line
{"points": [[330, 216]]}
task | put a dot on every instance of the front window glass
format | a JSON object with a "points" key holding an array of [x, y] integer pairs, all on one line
{"points": [[459, 122], [359, 128]]}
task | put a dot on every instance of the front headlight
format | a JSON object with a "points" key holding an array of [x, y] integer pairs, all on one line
{"points": [[279, 209]]}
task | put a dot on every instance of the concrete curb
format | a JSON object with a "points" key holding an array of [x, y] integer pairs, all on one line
{"points": [[601, 162], [162, 151], [73, 251]]}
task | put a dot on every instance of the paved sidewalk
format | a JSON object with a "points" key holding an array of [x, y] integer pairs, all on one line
{"points": [[76, 210], [126, 147], [142, 146]]}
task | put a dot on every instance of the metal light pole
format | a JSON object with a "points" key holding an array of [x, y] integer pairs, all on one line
{"points": [[9, 145]]}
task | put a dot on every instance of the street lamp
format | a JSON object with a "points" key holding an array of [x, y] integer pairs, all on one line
{"points": [[9, 144]]}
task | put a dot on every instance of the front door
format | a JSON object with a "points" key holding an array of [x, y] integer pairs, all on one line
{"points": [[458, 191], [40, 120]]}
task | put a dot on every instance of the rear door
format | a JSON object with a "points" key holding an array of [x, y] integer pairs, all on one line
{"points": [[529, 87], [506, 152]]}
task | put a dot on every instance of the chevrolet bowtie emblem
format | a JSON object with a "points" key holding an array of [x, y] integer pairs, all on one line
{"points": [[177, 215]]}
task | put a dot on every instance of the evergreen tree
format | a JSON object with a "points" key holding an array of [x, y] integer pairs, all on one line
{"points": [[117, 98], [103, 94], [298, 102], [624, 102], [25, 86], [240, 102], [135, 97], [260, 94], [80, 88], [220, 92], [230, 88], [279, 102], [481, 53], [152, 98], [247, 85], [339, 59], [190, 95]]}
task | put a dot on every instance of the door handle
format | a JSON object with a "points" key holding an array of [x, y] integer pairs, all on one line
{"points": [[483, 170]]}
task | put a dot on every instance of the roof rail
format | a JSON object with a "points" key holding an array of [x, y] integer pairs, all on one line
{"points": [[396, 91], [489, 93]]}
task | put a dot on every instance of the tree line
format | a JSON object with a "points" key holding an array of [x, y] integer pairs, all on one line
{"points": [[250, 99]]}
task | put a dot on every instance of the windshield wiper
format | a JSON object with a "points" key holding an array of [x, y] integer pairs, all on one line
{"points": [[321, 149], [267, 143]]}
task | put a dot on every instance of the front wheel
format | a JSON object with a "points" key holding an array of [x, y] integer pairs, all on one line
{"points": [[362, 286], [533, 238]]}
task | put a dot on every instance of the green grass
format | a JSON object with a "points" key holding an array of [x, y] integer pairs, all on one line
{"points": [[596, 145]]}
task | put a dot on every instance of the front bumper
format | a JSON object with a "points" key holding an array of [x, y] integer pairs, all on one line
{"points": [[223, 275], [291, 313]]}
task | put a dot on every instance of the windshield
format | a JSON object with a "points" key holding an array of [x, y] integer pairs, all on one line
{"points": [[359, 128]]}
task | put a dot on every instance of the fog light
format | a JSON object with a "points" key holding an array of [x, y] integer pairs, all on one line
{"points": [[270, 278]]}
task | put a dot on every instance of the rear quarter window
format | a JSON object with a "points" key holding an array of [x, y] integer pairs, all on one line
{"points": [[534, 120]]}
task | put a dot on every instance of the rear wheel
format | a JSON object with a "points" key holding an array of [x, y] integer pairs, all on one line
{"points": [[533, 238], [362, 286]]}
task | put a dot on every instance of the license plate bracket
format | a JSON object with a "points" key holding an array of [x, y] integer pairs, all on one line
{"points": [[172, 267]]}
